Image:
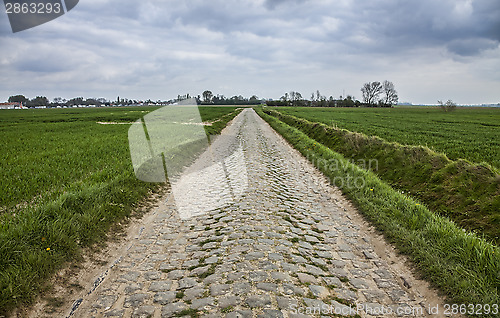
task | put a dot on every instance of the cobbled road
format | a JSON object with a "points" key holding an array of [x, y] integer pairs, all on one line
{"points": [[288, 246]]}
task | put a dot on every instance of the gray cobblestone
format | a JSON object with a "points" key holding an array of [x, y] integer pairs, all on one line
{"points": [[164, 298], [135, 300], [144, 312], [258, 301], [286, 240], [169, 310], [203, 303], [240, 314]]}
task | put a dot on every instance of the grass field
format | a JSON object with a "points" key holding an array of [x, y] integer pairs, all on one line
{"points": [[65, 178], [461, 264], [468, 133]]}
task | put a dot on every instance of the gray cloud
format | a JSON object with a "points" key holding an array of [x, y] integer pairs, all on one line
{"points": [[158, 48], [272, 4], [471, 47]]}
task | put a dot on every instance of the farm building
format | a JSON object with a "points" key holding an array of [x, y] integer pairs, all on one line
{"points": [[10, 105]]}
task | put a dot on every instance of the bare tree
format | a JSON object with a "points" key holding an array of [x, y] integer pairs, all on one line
{"points": [[296, 97], [285, 98], [448, 106], [371, 92], [390, 94], [208, 96]]}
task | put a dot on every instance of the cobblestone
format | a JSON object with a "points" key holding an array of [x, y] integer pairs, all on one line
{"points": [[281, 244]]}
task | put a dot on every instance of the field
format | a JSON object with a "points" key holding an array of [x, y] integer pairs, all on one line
{"points": [[467, 133], [65, 178]]}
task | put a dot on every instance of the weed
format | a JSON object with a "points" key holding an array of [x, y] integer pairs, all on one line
{"points": [[310, 295], [209, 241], [323, 267], [227, 310], [209, 272]]}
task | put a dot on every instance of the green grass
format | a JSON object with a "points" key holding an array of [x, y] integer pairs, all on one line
{"points": [[467, 193], [467, 133], [64, 181], [461, 264], [43, 152]]}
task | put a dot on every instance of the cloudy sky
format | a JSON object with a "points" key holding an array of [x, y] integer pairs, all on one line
{"points": [[430, 50]]}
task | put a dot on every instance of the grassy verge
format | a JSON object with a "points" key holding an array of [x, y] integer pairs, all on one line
{"points": [[467, 193], [95, 187], [461, 264], [470, 133]]}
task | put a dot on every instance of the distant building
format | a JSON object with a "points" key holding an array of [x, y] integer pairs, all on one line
{"points": [[10, 105]]}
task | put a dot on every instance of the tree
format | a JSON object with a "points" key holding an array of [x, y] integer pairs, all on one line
{"points": [[390, 94], [254, 100], [349, 101], [296, 98], [318, 95], [18, 99], [39, 101], [285, 98], [448, 106], [207, 96], [371, 92]]}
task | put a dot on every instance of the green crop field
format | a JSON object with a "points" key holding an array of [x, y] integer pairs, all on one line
{"points": [[467, 133], [46, 152], [65, 177]]}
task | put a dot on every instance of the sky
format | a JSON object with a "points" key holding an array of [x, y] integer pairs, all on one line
{"points": [[156, 49]]}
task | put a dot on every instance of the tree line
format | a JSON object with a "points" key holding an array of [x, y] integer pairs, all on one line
{"points": [[77, 101], [208, 98], [375, 94]]}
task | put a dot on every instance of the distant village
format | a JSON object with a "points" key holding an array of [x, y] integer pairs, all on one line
{"points": [[207, 98], [40, 102]]}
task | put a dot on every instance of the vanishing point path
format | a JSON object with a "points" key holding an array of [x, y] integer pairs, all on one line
{"points": [[288, 246]]}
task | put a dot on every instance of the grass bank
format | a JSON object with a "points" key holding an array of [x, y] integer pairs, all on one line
{"points": [[65, 178], [467, 193], [470, 133], [460, 263]]}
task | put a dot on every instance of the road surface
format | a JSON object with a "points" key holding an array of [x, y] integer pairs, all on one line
{"points": [[282, 243]]}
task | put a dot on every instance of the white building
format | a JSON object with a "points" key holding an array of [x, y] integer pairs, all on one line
{"points": [[10, 105]]}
